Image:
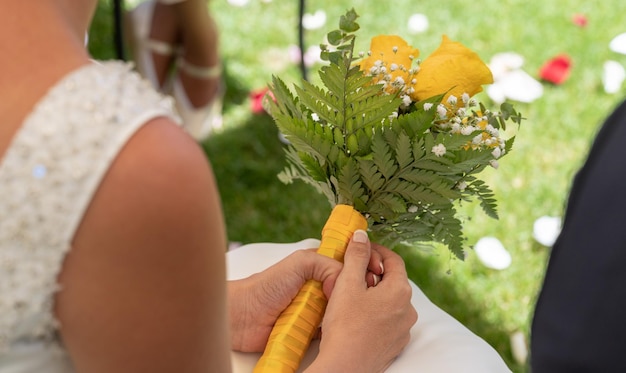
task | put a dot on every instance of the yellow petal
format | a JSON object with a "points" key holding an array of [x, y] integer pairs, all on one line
{"points": [[388, 50], [452, 68]]}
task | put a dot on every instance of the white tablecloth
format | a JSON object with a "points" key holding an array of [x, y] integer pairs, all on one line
{"points": [[439, 343]]}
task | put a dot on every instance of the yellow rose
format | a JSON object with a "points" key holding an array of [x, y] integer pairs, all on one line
{"points": [[393, 54], [452, 68]]}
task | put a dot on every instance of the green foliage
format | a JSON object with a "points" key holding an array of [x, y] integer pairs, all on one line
{"points": [[404, 167]]}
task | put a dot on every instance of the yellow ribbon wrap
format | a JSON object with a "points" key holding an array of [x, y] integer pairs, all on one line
{"points": [[295, 327]]}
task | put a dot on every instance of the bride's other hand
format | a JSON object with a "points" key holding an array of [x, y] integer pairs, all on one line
{"points": [[256, 301], [365, 328]]}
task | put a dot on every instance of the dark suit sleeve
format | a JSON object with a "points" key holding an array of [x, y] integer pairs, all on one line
{"points": [[579, 323]]}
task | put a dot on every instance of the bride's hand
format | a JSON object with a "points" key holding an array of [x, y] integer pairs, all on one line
{"points": [[364, 329], [256, 301]]}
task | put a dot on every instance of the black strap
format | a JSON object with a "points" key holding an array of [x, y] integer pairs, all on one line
{"points": [[118, 34]]}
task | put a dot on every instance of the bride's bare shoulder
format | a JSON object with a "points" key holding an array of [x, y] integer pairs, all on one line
{"points": [[148, 257]]}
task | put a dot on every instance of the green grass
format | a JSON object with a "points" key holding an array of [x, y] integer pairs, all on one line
{"points": [[532, 181]]}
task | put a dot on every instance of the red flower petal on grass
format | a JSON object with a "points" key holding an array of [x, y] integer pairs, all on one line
{"points": [[579, 20], [256, 100], [556, 70]]}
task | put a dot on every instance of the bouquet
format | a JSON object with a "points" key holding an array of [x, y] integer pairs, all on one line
{"points": [[395, 144]]}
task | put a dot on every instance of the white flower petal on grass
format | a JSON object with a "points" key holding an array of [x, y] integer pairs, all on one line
{"points": [[312, 55], [546, 229], [519, 347], [238, 2], [503, 63], [516, 85], [510, 81], [613, 76], [418, 23], [314, 21], [618, 44], [492, 253]]}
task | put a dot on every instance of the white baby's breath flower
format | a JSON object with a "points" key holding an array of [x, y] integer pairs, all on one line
{"points": [[395, 49], [494, 163], [456, 127], [393, 115], [465, 97], [477, 139], [496, 153], [461, 112], [412, 209], [452, 100], [492, 130], [398, 82], [461, 185], [315, 117], [444, 125], [406, 100], [439, 150], [467, 130], [442, 111], [427, 106], [393, 67]]}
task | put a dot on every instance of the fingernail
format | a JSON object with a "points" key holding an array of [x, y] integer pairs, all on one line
{"points": [[359, 236], [376, 280], [382, 268]]}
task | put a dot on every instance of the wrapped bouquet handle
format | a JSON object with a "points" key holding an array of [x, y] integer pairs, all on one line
{"points": [[296, 326]]}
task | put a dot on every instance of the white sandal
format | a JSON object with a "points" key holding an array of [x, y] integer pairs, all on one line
{"points": [[199, 122], [138, 24]]}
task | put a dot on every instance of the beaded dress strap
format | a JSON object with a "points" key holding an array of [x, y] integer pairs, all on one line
{"points": [[48, 177]]}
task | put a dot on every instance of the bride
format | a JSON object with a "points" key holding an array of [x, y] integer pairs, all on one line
{"points": [[112, 242]]}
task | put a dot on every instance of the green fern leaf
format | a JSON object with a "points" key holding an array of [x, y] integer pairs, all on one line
{"points": [[382, 156], [348, 183], [373, 179], [404, 156]]}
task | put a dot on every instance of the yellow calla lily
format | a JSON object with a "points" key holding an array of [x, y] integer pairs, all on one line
{"points": [[452, 68], [392, 53]]}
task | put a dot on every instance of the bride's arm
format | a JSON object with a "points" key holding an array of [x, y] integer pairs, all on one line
{"points": [[143, 288]]}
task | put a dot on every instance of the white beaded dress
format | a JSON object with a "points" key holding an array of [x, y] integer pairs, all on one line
{"points": [[48, 176]]}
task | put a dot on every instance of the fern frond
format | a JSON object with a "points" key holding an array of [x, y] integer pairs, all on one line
{"points": [[486, 197], [382, 156], [348, 183]]}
